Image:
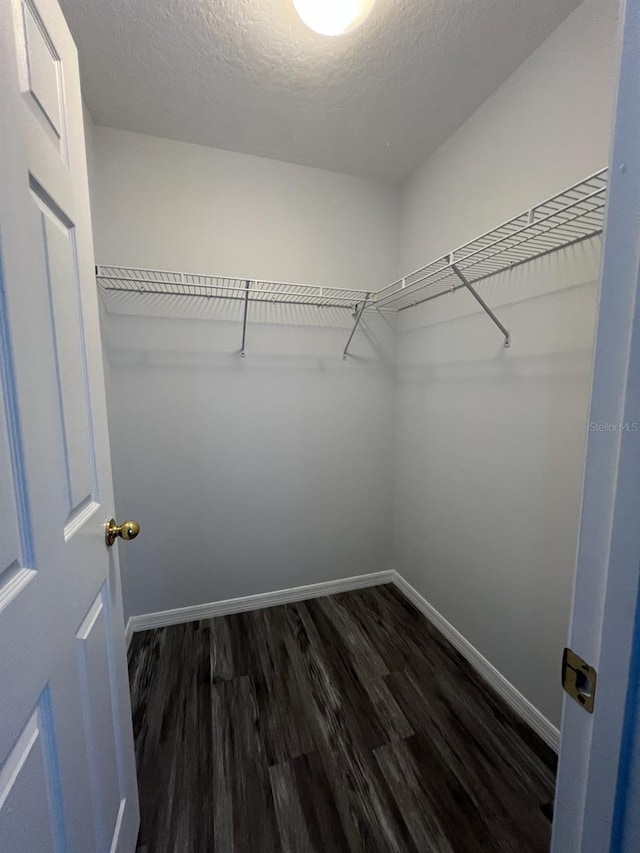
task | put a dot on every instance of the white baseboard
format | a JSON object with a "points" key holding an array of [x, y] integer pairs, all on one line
{"points": [[519, 703], [253, 602]]}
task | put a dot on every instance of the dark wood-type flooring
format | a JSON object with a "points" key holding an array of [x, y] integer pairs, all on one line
{"points": [[345, 723]]}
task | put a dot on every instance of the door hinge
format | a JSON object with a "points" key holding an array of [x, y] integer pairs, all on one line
{"points": [[579, 679]]}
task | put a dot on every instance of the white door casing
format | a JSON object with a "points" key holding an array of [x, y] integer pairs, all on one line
{"points": [[595, 802], [67, 767]]}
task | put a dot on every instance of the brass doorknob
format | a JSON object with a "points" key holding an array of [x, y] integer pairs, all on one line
{"points": [[126, 530]]}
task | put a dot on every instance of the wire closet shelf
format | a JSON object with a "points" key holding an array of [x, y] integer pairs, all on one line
{"points": [[574, 215], [221, 287]]}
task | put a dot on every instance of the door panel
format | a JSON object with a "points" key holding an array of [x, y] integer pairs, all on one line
{"points": [[30, 793], [40, 68], [65, 300], [15, 545], [10, 549], [94, 654], [67, 766]]}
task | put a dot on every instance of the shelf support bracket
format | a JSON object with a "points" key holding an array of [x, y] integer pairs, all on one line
{"points": [[244, 319], [483, 304], [358, 315]]}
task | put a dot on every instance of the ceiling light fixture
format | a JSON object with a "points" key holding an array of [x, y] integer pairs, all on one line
{"points": [[333, 17]]}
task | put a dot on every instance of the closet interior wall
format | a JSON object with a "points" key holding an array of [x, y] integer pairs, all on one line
{"points": [[432, 450], [490, 442], [256, 474]]}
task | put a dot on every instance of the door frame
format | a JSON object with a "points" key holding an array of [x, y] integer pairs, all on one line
{"points": [[598, 776]]}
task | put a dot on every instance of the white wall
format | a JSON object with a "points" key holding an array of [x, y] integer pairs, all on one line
{"points": [[170, 205], [257, 474], [490, 442], [547, 127]]}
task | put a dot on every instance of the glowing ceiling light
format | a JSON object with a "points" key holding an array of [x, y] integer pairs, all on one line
{"points": [[333, 17]]}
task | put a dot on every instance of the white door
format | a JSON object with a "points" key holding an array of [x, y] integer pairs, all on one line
{"points": [[598, 792], [67, 769]]}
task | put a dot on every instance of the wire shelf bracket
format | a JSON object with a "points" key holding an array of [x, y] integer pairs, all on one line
{"points": [[359, 311], [243, 348], [483, 304]]}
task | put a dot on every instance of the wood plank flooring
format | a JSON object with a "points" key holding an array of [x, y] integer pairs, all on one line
{"points": [[345, 723]]}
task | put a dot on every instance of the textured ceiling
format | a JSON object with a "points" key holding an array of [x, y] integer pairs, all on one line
{"points": [[248, 76]]}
